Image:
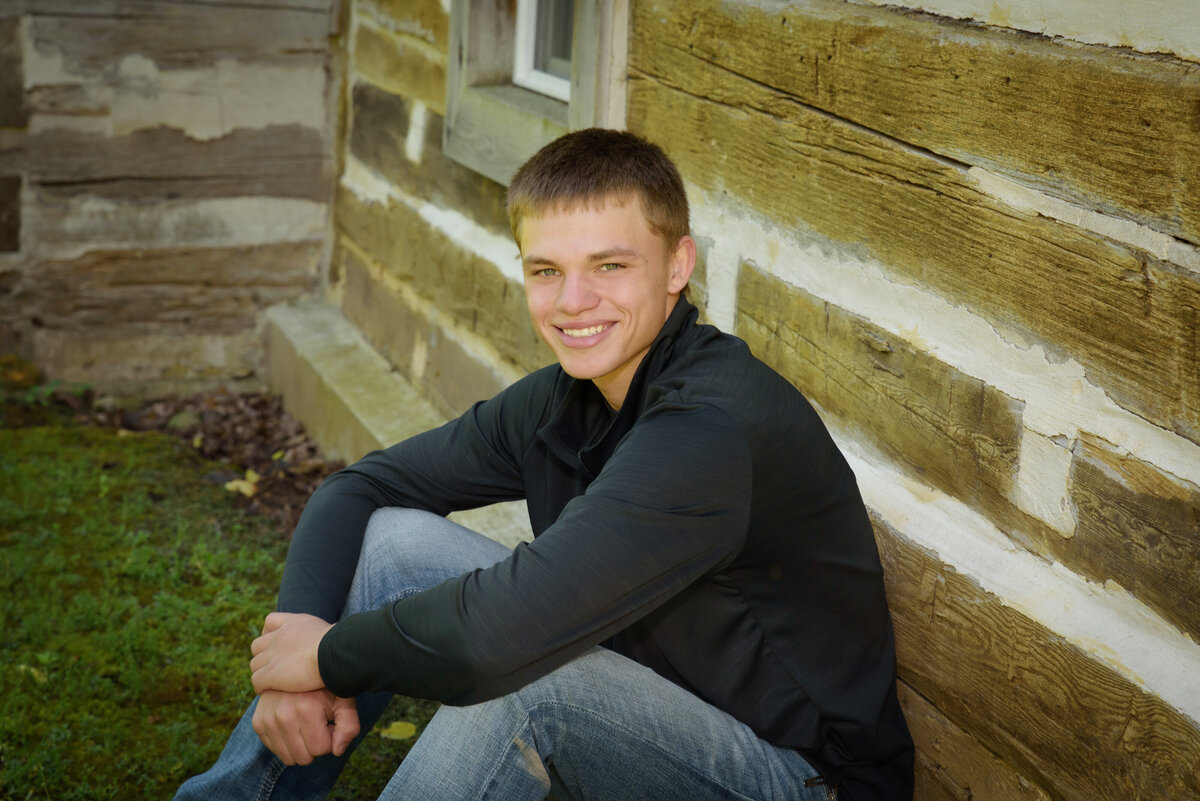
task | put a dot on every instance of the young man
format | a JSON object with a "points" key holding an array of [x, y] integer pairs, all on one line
{"points": [[701, 613]]}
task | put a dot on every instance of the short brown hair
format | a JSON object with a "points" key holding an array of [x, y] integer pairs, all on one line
{"points": [[594, 164]]}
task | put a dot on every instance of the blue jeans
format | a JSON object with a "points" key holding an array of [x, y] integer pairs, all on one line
{"points": [[600, 727]]}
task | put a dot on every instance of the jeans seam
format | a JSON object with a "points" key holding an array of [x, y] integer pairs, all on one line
{"points": [[270, 779]]}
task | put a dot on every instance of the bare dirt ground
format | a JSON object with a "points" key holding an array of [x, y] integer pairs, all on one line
{"points": [[273, 464]]}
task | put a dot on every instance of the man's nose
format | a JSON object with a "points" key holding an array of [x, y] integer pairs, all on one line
{"points": [[576, 295]]}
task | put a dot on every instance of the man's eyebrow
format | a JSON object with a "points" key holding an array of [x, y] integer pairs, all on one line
{"points": [[602, 255], [613, 253]]}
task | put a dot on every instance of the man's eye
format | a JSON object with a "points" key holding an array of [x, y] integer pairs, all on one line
{"points": [[608, 268], [547, 272]]}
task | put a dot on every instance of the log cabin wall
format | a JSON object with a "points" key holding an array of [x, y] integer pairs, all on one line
{"points": [[423, 261], [166, 171], [968, 232]]}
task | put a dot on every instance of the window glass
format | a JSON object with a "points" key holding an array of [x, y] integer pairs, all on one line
{"points": [[555, 24]]}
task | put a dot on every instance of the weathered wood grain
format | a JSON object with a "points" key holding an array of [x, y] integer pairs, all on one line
{"points": [[285, 161], [1139, 527], [10, 213], [472, 291], [173, 290], [1057, 716], [1111, 126], [952, 764], [950, 428], [395, 64], [377, 138], [1128, 318], [176, 35]]}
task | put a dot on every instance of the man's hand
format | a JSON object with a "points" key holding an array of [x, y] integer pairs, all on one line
{"points": [[299, 727], [285, 656]]}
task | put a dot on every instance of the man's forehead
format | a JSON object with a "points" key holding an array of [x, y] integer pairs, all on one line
{"points": [[587, 203], [586, 212]]}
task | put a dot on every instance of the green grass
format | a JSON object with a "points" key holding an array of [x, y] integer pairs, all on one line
{"points": [[132, 588]]}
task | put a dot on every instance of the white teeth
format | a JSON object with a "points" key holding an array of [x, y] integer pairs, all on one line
{"points": [[584, 332]]}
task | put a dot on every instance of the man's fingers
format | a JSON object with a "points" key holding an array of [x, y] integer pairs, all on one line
{"points": [[265, 727], [259, 644], [273, 621], [345, 724], [314, 735]]}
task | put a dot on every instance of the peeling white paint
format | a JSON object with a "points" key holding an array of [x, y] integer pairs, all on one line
{"points": [[1059, 399], [1042, 486], [1019, 196], [84, 223], [205, 103], [210, 102], [499, 250], [382, 19], [414, 141], [1151, 26], [1103, 621]]}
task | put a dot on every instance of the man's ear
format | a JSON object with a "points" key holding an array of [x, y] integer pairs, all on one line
{"points": [[683, 261]]}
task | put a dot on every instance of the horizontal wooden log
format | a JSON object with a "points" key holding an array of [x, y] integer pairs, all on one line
{"points": [[951, 429], [378, 137], [68, 220], [1139, 527], [285, 161], [951, 764], [472, 291], [184, 291], [395, 63], [1051, 711], [1128, 318], [175, 35], [1053, 113]]}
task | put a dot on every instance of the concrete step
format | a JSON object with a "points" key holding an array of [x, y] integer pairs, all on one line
{"points": [[352, 401]]}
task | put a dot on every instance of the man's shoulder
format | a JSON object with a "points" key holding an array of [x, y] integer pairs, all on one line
{"points": [[720, 368]]}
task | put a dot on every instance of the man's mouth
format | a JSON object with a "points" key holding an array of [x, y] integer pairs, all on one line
{"points": [[590, 331]]}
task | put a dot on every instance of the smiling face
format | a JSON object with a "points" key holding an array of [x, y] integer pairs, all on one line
{"points": [[600, 284]]}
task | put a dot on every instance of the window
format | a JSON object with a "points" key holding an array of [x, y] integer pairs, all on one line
{"points": [[500, 108], [542, 52]]}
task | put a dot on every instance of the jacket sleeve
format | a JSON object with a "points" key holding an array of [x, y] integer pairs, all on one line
{"points": [[468, 462], [671, 504]]}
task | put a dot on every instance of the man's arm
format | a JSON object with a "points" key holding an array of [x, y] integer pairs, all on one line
{"points": [[671, 505], [464, 463], [469, 462]]}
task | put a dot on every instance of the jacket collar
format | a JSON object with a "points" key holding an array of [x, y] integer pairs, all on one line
{"points": [[584, 431]]}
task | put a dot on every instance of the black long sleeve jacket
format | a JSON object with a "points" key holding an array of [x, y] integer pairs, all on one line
{"points": [[709, 529]]}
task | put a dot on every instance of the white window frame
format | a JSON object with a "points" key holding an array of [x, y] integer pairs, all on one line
{"points": [[492, 124], [525, 74]]}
